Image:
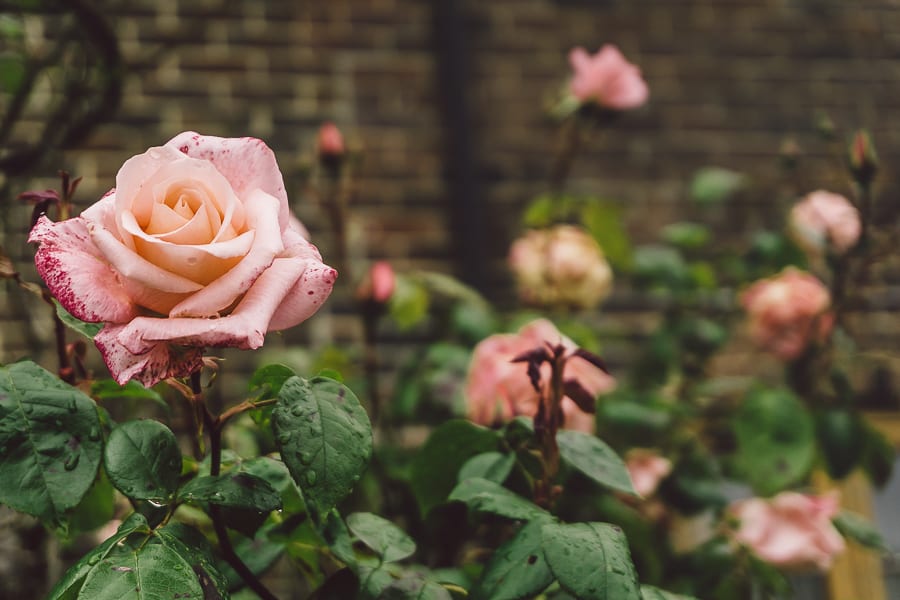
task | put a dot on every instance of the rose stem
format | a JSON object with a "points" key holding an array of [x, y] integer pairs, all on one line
{"points": [[370, 363], [214, 428], [546, 425]]}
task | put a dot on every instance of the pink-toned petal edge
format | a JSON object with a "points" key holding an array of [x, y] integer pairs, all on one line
{"points": [[77, 274], [160, 361]]}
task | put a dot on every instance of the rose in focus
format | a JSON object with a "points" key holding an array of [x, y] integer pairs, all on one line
{"points": [[646, 468], [562, 265], [823, 220], [791, 530], [607, 79], [787, 312], [498, 389], [195, 247]]}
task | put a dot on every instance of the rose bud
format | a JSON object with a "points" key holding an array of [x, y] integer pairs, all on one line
{"points": [[498, 389], [646, 468], [863, 158], [787, 312], [330, 144], [606, 79], [561, 266], [378, 284], [791, 531], [824, 220], [195, 247]]}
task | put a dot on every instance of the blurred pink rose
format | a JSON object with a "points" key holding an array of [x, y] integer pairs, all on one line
{"points": [[647, 468], [791, 530], [787, 312], [562, 265], [498, 389], [378, 284], [607, 79], [330, 141], [823, 219], [194, 247]]}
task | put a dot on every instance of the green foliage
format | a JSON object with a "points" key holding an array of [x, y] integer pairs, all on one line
{"points": [[591, 560], [88, 330], [715, 185], [517, 569], [493, 466], [325, 439], [50, 443], [235, 490], [775, 440], [686, 235], [484, 496], [841, 435], [605, 223], [444, 453], [409, 303], [859, 529], [591, 456], [648, 592], [386, 539], [143, 461], [108, 389]]}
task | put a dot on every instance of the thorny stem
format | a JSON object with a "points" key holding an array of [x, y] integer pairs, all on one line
{"points": [[213, 427], [546, 424]]}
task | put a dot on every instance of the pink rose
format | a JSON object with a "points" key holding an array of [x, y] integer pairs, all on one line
{"points": [[330, 141], [787, 312], [607, 79], [647, 469], [823, 219], [195, 247], [498, 389], [378, 284], [791, 530], [562, 265]]}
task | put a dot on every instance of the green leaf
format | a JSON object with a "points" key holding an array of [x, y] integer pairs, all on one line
{"points": [[841, 437], [88, 330], [258, 553], [234, 490], [878, 456], [604, 221], [387, 540], [492, 466], [541, 212], [195, 549], [444, 453], [660, 266], [859, 529], [591, 561], [266, 381], [648, 592], [335, 533], [414, 587], [151, 572], [108, 389], [50, 442], [68, 587], [686, 235], [142, 460], [713, 185], [518, 568], [775, 440], [590, 455], [409, 303], [481, 495], [12, 72], [95, 509], [325, 439]]}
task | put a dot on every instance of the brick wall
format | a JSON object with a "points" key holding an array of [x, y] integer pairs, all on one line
{"points": [[729, 81]]}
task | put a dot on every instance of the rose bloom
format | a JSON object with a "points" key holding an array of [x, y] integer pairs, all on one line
{"points": [[646, 468], [823, 219], [607, 79], [788, 311], [195, 247], [562, 265], [791, 530], [378, 283], [498, 390]]}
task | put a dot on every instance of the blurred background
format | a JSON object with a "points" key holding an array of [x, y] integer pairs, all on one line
{"points": [[445, 104]]}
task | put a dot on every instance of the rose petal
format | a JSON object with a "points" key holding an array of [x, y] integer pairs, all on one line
{"points": [[244, 328], [77, 273], [248, 164], [306, 297], [159, 362], [136, 268], [262, 210]]}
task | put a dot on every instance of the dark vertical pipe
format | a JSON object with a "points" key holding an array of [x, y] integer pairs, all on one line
{"points": [[465, 208]]}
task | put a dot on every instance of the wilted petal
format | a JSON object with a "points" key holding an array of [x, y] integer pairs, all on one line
{"points": [[77, 273], [160, 361]]}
